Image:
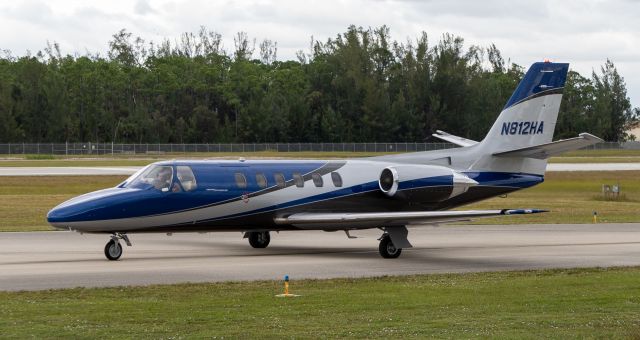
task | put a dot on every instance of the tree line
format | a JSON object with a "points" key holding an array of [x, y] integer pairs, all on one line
{"points": [[357, 87]]}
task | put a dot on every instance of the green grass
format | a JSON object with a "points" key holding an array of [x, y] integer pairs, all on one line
{"points": [[39, 157], [574, 303], [25, 201], [572, 197]]}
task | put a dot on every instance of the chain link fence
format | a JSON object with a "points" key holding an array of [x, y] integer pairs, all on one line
{"points": [[161, 149]]}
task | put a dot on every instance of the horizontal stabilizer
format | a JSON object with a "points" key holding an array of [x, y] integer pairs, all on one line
{"points": [[544, 151], [355, 220], [454, 139]]}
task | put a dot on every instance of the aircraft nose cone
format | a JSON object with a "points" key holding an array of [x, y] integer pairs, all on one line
{"points": [[56, 216]]}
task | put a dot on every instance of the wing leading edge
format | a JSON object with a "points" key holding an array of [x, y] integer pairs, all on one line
{"points": [[361, 220]]}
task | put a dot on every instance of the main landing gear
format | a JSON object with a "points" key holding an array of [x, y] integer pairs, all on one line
{"points": [[113, 248], [258, 239], [392, 242], [387, 249]]}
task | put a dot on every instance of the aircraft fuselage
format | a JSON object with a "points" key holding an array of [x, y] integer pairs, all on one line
{"points": [[250, 195]]}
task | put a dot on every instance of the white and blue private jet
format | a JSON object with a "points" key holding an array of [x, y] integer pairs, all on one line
{"points": [[387, 192]]}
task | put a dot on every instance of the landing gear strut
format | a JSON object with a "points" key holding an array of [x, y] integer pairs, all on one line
{"points": [[387, 249], [258, 239], [113, 248]]}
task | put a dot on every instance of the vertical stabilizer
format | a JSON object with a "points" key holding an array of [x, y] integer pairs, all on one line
{"points": [[528, 119], [530, 115]]}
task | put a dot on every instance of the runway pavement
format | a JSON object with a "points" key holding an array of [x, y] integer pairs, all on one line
{"points": [[42, 260], [68, 171], [128, 170]]}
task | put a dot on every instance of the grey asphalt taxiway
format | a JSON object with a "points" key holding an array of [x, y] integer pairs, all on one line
{"points": [[43, 260]]}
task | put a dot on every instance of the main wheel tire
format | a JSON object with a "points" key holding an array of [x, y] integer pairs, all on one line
{"points": [[259, 239], [113, 250], [387, 249]]}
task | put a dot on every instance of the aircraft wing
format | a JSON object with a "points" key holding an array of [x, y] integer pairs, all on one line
{"points": [[355, 220], [544, 151], [454, 139]]}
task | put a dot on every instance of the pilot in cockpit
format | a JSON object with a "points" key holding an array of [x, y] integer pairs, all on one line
{"points": [[163, 178]]}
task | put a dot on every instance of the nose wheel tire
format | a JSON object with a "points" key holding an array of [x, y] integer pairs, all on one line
{"points": [[259, 239], [387, 249], [113, 250]]}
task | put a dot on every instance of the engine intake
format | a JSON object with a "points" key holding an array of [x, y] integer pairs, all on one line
{"points": [[423, 183], [388, 181]]}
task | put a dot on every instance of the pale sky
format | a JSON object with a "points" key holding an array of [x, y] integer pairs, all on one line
{"points": [[582, 32]]}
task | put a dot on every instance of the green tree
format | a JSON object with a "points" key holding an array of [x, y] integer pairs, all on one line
{"points": [[612, 106], [359, 86]]}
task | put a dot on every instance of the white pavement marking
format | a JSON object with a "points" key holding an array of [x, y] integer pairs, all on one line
{"points": [[128, 170], [43, 260]]}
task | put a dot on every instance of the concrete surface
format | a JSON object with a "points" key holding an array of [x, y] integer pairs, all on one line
{"points": [[42, 260]]}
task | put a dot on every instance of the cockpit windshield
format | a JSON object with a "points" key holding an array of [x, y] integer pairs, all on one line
{"points": [[158, 176]]}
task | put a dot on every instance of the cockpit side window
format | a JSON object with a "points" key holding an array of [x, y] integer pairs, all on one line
{"points": [[163, 178], [186, 178], [158, 176]]}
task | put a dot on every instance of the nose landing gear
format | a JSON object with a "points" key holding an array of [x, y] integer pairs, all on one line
{"points": [[113, 249]]}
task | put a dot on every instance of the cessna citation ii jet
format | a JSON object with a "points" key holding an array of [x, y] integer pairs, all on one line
{"points": [[387, 192]]}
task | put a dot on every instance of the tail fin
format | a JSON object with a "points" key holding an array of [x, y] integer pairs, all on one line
{"points": [[529, 117]]}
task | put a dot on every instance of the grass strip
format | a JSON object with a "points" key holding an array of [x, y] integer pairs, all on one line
{"points": [[569, 303], [571, 197]]}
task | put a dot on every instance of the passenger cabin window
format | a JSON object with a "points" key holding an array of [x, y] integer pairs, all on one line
{"points": [[317, 179], [337, 179], [280, 182], [297, 178], [241, 181], [186, 178], [262, 180]]}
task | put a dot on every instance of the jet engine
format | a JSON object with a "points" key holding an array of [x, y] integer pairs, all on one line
{"points": [[388, 181], [423, 183]]}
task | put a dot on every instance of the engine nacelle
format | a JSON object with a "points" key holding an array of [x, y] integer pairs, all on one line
{"points": [[389, 181], [423, 183]]}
